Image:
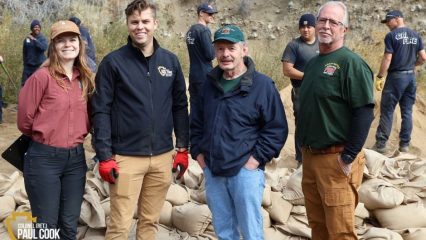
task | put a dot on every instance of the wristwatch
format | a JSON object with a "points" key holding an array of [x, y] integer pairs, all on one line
{"points": [[346, 158]]}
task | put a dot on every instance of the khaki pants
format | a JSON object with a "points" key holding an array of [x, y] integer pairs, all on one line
{"points": [[330, 195], [143, 182]]}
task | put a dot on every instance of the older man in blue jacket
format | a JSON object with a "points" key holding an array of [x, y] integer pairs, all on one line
{"points": [[238, 126]]}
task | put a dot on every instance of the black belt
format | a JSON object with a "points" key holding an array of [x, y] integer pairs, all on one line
{"points": [[403, 72]]}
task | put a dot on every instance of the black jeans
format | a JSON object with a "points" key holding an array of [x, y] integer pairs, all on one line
{"points": [[55, 180]]}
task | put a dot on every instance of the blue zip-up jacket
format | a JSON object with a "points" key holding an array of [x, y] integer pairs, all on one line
{"points": [[138, 102], [33, 51], [249, 120]]}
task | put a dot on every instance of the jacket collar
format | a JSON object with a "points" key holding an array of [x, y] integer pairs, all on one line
{"points": [[130, 44], [246, 80]]}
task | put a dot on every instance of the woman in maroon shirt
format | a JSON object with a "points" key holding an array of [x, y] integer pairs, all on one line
{"points": [[52, 110]]}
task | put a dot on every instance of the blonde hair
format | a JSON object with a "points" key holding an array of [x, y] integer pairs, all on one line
{"points": [[57, 71]]}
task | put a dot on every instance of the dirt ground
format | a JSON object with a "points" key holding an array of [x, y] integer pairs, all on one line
{"points": [[9, 132]]}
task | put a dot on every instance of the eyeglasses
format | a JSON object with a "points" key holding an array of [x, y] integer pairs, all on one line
{"points": [[332, 22]]}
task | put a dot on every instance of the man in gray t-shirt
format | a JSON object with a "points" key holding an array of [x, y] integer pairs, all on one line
{"points": [[296, 54]]}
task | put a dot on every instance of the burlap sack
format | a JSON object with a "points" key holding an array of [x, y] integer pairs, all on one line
{"points": [[92, 212], [297, 225], [106, 206], [81, 231], [98, 185], [266, 199], [191, 218], [379, 233], [7, 206], [18, 185], [414, 234], [7, 180], [361, 213], [280, 209], [177, 195], [193, 175], [21, 197], [377, 193], [198, 195], [293, 190], [374, 162], [266, 219], [277, 178], [273, 233], [166, 214], [402, 217]]}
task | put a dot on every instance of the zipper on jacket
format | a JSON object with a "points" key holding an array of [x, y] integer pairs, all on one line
{"points": [[151, 146]]}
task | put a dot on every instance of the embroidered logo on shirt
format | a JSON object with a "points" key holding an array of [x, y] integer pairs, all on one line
{"points": [[164, 71], [189, 39], [330, 68]]}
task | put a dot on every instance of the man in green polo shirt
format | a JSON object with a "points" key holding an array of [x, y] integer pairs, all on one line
{"points": [[336, 111]]}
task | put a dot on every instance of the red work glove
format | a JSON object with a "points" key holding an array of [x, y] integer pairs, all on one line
{"points": [[180, 161], [108, 170]]}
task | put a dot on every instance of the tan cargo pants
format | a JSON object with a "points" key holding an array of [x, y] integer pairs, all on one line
{"points": [[330, 195], [143, 182]]}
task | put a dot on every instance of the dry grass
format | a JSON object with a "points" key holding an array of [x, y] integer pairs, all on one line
{"points": [[107, 25]]}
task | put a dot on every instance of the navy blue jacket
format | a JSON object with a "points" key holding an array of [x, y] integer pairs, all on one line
{"points": [[33, 51], [90, 49], [201, 52], [138, 102], [249, 120]]}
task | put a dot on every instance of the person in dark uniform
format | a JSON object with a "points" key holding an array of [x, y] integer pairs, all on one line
{"points": [[404, 50], [296, 54], [200, 50], [35, 44]]}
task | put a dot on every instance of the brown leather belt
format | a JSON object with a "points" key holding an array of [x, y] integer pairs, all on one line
{"points": [[328, 150]]}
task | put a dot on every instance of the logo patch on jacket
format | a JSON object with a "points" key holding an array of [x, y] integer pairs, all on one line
{"points": [[164, 71], [330, 68]]}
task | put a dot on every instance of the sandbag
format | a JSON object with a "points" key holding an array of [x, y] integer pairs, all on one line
{"points": [[177, 195], [414, 234], [266, 199], [374, 162], [293, 190], [361, 213], [198, 195], [191, 218], [402, 217], [266, 219], [166, 214], [7, 180], [379, 233], [273, 233], [193, 175], [280, 209], [377, 193], [92, 212], [7, 206], [106, 206]]}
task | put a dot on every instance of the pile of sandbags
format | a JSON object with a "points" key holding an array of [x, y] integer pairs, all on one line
{"points": [[392, 203]]}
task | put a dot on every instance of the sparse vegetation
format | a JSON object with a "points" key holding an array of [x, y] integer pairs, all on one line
{"points": [[107, 25]]}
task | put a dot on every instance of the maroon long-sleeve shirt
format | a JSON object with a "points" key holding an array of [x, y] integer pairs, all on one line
{"points": [[50, 114]]}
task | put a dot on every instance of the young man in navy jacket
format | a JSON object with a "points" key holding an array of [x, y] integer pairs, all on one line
{"points": [[140, 100], [236, 128]]}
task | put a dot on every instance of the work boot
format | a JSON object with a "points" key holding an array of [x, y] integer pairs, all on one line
{"points": [[379, 148], [404, 149]]}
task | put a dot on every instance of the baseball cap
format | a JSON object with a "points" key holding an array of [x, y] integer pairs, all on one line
{"points": [[392, 14], [63, 26], [229, 33], [204, 7], [307, 20]]}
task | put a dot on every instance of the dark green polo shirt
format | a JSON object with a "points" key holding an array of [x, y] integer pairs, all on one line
{"points": [[333, 84]]}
